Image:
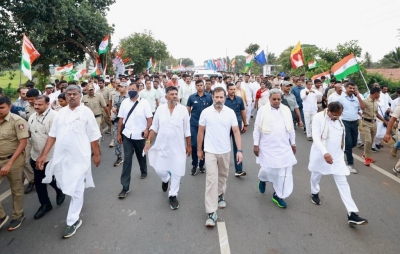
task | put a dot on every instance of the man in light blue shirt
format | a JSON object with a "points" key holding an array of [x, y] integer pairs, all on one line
{"points": [[352, 102]]}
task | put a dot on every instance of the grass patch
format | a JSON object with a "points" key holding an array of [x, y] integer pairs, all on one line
{"points": [[5, 79]]}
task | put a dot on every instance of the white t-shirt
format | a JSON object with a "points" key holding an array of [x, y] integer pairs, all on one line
{"points": [[218, 125], [137, 121], [151, 96]]}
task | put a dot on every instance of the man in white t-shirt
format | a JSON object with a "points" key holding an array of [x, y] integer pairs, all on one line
{"points": [[151, 95], [219, 120], [186, 90]]}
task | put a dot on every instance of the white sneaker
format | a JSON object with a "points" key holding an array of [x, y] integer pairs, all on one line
{"points": [[221, 201], [212, 219], [352, 169]]}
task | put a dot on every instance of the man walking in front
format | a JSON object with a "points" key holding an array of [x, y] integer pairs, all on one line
{"points": [[168, 155], [219, 120], [275, 147], [77, 133]]}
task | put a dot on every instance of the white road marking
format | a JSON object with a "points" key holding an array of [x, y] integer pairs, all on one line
{"points": [[223, 238], [380, 170]]}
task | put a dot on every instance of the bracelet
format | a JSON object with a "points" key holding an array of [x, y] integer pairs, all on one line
{"points": [[240, 151], [147, 141]]}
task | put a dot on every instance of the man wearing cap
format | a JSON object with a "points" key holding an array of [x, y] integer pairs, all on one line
{"points": [[289, 100], [310, 97], [106, 95], [186, 90]]}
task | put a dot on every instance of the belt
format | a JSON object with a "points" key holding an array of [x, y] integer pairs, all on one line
{"points": [[319, 102], [98, 115], [6, 157], [350, 122], [369, 120]]}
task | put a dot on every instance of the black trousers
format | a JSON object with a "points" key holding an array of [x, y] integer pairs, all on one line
{"points": [[132, 146], [41, 188]]}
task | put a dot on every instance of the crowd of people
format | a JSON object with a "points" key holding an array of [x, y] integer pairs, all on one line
{"points": [[52, 136]]}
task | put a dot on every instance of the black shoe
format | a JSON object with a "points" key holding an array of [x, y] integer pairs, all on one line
{"points": [[30, 187], [60, 199], [202, 170], [374, 150], [194, 171], [378, 147], [42, 211], [164, 186], [240, 173], [123, 194], [173, 203], [107, 132], [14, 224], [118, 162], [3, 220], [143, 175], [315, 199], [354, 219]]}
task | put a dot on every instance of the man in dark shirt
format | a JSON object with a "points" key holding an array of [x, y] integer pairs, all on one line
{"points": [[296, 91]]}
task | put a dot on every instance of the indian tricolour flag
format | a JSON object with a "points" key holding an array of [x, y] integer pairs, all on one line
{"points": [[29, 54], [248, 60], [66, 68], [103, 48], [345, 67], [327, 75], [313, 64]]}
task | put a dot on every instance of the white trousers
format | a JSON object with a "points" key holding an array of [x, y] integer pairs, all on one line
{"points": [[308, 116], [249, 108], [342, 185], [75, 206], [281, 179], [173, 185]]}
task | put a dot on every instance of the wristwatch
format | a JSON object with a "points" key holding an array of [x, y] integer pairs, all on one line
{"points": [[240, 151], [246, 125]]}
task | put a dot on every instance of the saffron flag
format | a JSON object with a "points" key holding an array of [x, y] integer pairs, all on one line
{"points": [[345, 67], [313, 64], [29, 54], [103, 47], [296, 56], [66, 68], [260, 58], [326, 74]]}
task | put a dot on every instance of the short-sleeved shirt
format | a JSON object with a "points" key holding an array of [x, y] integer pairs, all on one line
{"points": [[198, 104], [296, 92], [39, 127], [106, 94], [237, 105], [218, 126], [137, 121], [351, 106], [29, 110], [371, 109], [151, 96], [291, 99], [396, 112], [210, 92], [95, 103], [112, 95], [12, 129]]}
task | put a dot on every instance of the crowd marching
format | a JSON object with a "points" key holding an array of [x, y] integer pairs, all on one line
{"points": [[53, 136]]}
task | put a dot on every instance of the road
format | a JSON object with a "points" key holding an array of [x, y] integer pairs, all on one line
{"points": [[144, 223]]}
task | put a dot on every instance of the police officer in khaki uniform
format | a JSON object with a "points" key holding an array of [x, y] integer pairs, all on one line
{"points": [[369, 123], [106, 95], [113, 92], [13, 139]]}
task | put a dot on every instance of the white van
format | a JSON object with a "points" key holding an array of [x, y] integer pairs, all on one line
{"points": [[209, 73]]}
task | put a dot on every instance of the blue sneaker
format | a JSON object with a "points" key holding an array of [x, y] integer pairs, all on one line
{"points": [[261, 186], [280, 202]]}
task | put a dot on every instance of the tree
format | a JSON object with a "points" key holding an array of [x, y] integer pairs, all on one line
{"points": [[140, 47], [62, 31], [240, 64], [392, 60], [271, 58], [187, 62], [367, 60], [347, 48], [252, 49]]}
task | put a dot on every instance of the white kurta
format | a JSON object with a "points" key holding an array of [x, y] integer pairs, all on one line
{"points": [[333, 147], [74, 131], [169, 149]]}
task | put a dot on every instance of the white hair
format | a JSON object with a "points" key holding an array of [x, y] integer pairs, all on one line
{"points": [[274, 91]]}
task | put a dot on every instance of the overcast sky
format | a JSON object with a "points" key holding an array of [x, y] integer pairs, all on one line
{"points": [[207, 29]]}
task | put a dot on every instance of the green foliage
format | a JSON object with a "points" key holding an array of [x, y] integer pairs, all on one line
{"points": [[10, 91], [367, 60], [252, 49], [392, 59], [187, 62], [141, 46], [271, 58], [240, 64]]}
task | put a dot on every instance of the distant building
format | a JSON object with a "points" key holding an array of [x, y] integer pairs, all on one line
{"points": [[393, 74]]}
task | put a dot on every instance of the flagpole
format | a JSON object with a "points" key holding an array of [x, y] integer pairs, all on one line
{"points": [[362, 75]]}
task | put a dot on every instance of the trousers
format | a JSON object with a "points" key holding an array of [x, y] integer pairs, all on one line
{"points": [[174, 184], [281, 179], [342, 185], [132, 146], [249, 108], [195, 160], [238, 167], [76, 204], [216, 177], [28, 172], [369, 131], [351, 140], [117, 145], [308, 117]]}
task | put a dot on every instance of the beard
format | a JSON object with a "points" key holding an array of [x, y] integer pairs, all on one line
{"points": [[218, 104]]}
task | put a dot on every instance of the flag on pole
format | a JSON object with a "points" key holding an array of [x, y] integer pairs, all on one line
{"points": [[345, 67], [103, 48], [296, 56], [233, 63], [79, 74], [260, 58], [326, 74], [248, 61], [313, 64], [96, 71], [149, 63], [66, 68], [29, 54]]}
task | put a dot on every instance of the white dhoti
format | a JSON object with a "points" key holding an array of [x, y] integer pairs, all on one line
{"points": [[380, 133], [281, 179], [249, 109]]}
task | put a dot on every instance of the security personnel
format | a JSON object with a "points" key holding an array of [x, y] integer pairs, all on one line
{"points": [[196, 103], [369, 122], [237, 105], [95, 102], [118, 99], [13, 139], [106, 95], [113, 92]]}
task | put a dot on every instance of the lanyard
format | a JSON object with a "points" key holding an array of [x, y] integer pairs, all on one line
{"points": [[44, 117]]}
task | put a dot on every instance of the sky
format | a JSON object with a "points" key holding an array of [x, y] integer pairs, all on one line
{"points": [[207, 29]]}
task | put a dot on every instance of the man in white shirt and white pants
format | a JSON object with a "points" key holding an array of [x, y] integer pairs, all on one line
{"points": [[310, 98], [246, 85], [185, 90]]}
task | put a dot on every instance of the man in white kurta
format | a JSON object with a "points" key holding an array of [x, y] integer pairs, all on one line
{"points": [[310, 99], [185, 90], [76, 131], [246, 86], [168, 154], [275, 146], [327, 158]]}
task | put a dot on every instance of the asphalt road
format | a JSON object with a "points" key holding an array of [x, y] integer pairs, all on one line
{"points": [[144, 223]]}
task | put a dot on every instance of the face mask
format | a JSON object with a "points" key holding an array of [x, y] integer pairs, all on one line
{"points": [[132, 94]]}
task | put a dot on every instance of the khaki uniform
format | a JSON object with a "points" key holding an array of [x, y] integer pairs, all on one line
{"points": [[13, 129], [95, 103], [369, 124], [106, 95], [28, 171], [111, 98]]}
